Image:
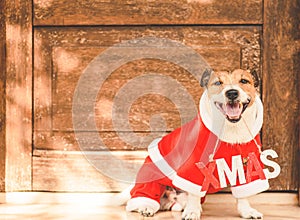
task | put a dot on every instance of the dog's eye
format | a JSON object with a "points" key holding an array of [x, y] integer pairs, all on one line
{"points": [[244, 81], [218, 83]]}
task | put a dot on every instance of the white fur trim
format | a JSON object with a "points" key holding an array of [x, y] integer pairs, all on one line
{"points": [[159, 161], [250, 189], [121, 198], [208, 122], [259, 117], [168, 171], [137, 203], [188, 186]]}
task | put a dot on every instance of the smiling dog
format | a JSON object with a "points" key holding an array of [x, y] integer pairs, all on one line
{"points": [[192, 157]]}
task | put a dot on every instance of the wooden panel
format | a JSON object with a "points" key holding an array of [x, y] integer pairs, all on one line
{"points": [[80, 172], [2, 96], [119, 12], [61, 55], [18, 94], [89, 141], [280, 87], [142, 108], [298, 67], [67, 76], [295, 8]]}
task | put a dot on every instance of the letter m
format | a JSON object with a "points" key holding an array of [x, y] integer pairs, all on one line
{"points": [[237, 169]]}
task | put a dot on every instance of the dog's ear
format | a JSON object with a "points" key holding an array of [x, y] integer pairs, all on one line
{"points": [[255, 78], [205, 77]]}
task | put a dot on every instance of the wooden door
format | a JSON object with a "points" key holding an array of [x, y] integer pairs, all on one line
{"points": [[70, 38], [63, 53], [69, 51], [67, 39]]}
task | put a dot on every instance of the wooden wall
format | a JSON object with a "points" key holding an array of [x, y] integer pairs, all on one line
{"points": [[42, 70], [281, 40], [2, 96], [67, 42], [140, 12]]}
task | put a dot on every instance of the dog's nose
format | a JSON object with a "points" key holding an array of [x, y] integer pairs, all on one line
{"points": [[232, 94]]}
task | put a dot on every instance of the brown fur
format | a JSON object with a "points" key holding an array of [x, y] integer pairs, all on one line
{"points": [[232, 78]]}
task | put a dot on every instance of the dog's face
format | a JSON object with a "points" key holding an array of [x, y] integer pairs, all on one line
{"points": [[231, 93]]}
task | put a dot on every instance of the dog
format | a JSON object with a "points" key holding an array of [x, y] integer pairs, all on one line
{"points": [[195, 157]]}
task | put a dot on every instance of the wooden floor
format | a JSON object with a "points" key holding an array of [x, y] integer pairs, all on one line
{"points": [[221, 206]]}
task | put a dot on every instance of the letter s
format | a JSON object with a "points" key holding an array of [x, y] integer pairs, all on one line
{"points": [[276, 167]]}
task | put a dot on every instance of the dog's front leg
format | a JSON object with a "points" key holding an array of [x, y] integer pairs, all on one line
{"points": [[246, 211], [193, 208]]}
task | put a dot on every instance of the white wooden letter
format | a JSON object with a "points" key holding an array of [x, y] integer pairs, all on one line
{"points": [[274, 165], [237, 168]]}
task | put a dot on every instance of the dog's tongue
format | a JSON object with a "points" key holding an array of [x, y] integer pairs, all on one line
{"points": [[233, 110]]}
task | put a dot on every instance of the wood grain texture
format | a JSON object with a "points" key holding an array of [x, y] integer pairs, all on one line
{"points": [[2, 95], [120, 12], [83, 172], [61, 55], [281, 87], [298, 156], [67, 76], [18, 95], [297, 67], [94, 141]]}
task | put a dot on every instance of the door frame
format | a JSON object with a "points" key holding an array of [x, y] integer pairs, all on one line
{"points": [[16, 98], [281, 64]]}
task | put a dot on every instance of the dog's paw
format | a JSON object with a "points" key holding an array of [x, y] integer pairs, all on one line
{"points": [[191, 214], [250, 213], [146, 212], [193, 208], [145, 206], [246, 211]]}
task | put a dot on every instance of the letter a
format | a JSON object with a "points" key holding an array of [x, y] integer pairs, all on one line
{"points": [[254, 163]]}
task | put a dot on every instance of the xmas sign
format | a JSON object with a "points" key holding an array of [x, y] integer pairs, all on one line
{"points": [[237, 171]]}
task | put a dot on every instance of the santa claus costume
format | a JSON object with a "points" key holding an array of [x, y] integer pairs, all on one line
{"points": [[181, 158]]}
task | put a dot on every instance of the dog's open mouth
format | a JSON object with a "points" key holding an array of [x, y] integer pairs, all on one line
{"points": [[233, 110]]}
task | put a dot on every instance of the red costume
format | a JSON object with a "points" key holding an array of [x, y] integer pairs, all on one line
{"points": [[176, 160]]}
